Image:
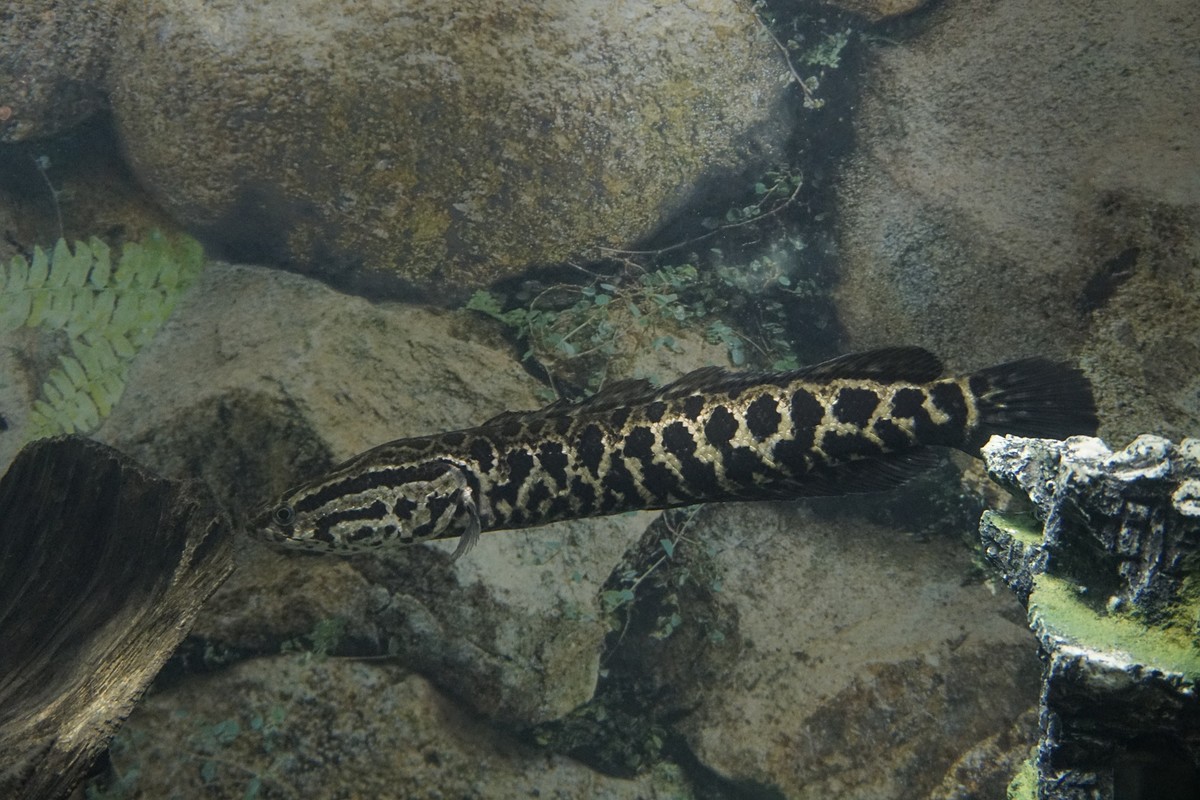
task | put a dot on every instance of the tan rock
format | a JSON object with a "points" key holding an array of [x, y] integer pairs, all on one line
{"points": [[998, 151], [876, 10], [855, 661], [408, 147]]}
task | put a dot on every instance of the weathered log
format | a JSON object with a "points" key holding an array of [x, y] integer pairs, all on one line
{"points": [[103, 567]]}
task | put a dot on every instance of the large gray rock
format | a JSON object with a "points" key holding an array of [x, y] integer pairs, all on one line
{"points": [[52, 63], [851, 633], [875, 10], [801, 655], [1109, 583], [431, 146], [1017, 162], [1143, 350]]}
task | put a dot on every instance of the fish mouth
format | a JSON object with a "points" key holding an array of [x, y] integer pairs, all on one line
{"points": [[270, 535], [263, 527]]}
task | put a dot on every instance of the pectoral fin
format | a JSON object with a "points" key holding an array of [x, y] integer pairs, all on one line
{"points": [[469, 537]]}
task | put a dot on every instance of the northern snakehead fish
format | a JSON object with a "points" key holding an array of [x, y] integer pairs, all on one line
{"points": [[858, 423]]}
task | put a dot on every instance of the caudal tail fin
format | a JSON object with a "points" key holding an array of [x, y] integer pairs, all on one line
{"points": [[1033, 397]]}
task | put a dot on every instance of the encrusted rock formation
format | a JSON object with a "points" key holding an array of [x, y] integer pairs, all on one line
{"points": [[1110, 585]]}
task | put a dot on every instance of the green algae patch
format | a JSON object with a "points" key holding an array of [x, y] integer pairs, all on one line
{"points": [[1023, 527], [1024, 784], [1058, 607]]}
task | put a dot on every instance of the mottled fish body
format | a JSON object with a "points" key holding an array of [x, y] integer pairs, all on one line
{"points": [[861, 422]]}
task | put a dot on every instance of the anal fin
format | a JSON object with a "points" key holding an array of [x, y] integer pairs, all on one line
{"points": [[866, 475]]}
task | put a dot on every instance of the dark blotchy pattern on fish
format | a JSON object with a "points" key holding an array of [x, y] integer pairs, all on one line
{"points": [[858, 423]]}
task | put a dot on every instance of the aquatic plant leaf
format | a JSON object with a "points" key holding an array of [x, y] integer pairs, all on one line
{"points": [[59, 308], [106, 357], [77, 266], [39, 269], [80, 313], [43, 408], [102, 309], [61, 257], [62, 382], [86, 355], [105, 393], [74, 369], [38, 303], [150, 309], [85, 416], [102, 264], [14, 311], [17, 276], [169, 277], [125, 315], [122, 347], [107, 314], [131, 262]]}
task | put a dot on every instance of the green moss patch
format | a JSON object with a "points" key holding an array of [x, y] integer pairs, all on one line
{"points": [[1024, 528], [1059, 606], [1024, 784]]}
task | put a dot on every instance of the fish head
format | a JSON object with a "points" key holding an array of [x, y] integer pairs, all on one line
{"points": [[362, 511]]}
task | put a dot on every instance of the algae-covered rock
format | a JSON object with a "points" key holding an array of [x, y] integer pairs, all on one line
{"points": [[1109, 582], [433, 146], [303, 726]]}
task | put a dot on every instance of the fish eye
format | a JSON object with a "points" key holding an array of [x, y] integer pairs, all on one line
{"points": [[284, 515]]}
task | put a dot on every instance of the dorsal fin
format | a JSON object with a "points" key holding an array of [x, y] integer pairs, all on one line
{"points": [[513, 416], [628, 391], [915, 364], [703, 379]]}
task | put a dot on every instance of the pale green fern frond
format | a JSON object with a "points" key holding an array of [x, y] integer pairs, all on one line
{"points": [[107, 312]]}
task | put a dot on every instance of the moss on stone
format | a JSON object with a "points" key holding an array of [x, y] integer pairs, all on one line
{"points": [[1024, 528], [1024, 784], [1059, 607]]}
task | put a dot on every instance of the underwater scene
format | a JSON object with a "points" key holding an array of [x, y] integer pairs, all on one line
{"points": [[636, 400]]}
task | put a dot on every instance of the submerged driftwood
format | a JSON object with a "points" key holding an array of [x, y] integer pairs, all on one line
{"points": [[103, 568]]}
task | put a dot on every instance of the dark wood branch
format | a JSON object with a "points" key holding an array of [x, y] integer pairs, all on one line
{"points": [[103, 568]]}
